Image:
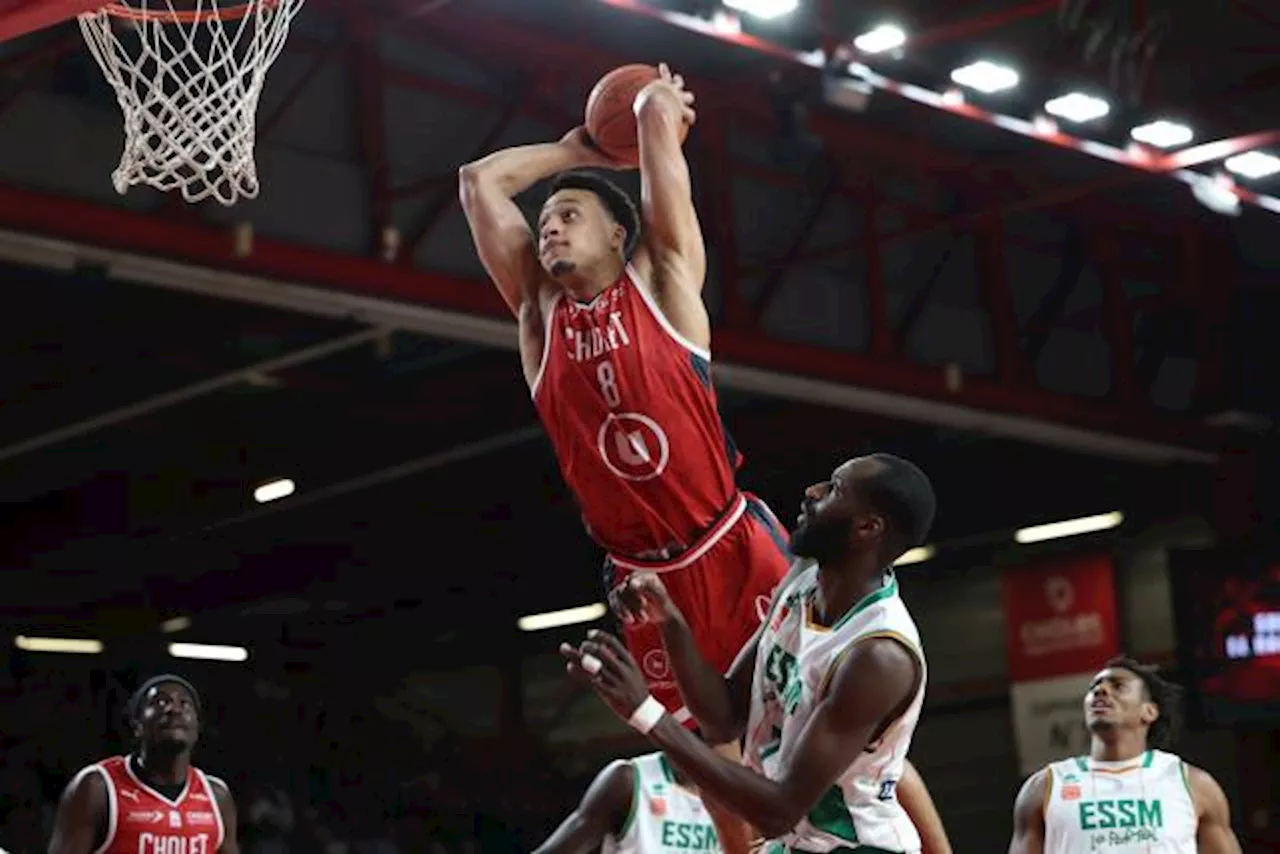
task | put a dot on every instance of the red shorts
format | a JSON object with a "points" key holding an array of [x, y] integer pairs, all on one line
{"points": [[722, 585]]}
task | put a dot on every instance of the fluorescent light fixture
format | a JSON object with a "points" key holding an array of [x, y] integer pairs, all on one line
{"points": [[1077, 107], [1162, 134], [176, 624], [565, 617], [763, 9], [1253, 164], [78, 646], [986, 77], [917, 555], [882, 38], [1069, 527], [208, 652], [274, 490]]}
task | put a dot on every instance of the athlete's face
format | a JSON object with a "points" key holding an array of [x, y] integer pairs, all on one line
{"points": [[835, 517], [168, 717], [1118, 699], [576, 231]]}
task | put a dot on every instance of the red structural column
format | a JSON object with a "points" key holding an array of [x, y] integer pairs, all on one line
{"points": [[993, 284]]}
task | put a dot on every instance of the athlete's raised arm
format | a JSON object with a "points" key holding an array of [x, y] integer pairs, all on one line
{"points": [[914, 796], [81, 820], [873, 685], [502, 237], [603, 811], [1213, 828], [1028, 815]]}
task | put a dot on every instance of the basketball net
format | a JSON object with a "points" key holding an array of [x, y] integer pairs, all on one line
{"points": [[188, 76]]}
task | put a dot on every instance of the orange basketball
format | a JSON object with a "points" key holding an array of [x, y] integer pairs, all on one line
{"points": [[611, 120]]}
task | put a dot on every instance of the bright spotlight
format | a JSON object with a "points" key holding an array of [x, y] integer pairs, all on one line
{"points": [[208, 652], [1077, 107], [917, 555], [1253, 164], [763, 9], [564, 617], [883, 38], [1162, 134], [274, 490], [1069, 528], [986, 77], [75, 646]]}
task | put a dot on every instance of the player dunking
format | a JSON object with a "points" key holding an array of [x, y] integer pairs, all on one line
{"points": [[614, 341], [1128, 795], [829, 691], [152, 801]]}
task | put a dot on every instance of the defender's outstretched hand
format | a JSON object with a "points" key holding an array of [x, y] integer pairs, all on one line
{"points": [[643, 598], [602, 662]]}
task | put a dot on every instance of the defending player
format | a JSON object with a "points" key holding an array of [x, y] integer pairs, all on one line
{"points": [[614, 340], [828, 693], [1127, 796], [636, 806], [152, 801], [646, 806]]}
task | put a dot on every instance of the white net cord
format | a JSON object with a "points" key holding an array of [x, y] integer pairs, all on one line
{"points": [[188, 80]]}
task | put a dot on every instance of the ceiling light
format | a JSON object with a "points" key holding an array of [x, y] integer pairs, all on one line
{"points": [[1077, 107], [1253, 164], [80, 646], [565, 617], [882, 38], [1162, 134], [917, 555], [208, 652], [986, 77], [764, 9], [1069, 528], [274, 490]]}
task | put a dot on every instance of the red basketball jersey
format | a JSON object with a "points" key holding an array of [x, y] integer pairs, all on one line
{"points": [[631, 411], [140, 820]]}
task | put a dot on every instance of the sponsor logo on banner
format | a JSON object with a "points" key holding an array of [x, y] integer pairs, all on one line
{"points": [[1062, 627], [1061, 617]]}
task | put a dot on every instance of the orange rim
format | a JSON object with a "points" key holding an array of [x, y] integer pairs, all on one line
{"points": [[229, 13]]}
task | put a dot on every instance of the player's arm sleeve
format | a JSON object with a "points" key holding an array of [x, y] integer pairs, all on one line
{"points": [[1028, 815], [82, 815], [875, 679], [914, 796], [502, 237], [230, 821], [671, 230], [1213, 830], [607, 808]]}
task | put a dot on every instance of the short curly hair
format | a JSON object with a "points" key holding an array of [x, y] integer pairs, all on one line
{"points": [[1167, 697], [614, 198]]}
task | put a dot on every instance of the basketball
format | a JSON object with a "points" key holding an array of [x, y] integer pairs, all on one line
{"points": [[610, 119]]}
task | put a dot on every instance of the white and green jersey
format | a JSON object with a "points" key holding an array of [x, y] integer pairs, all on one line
{"points": [[794, 666], [1142, 805], [665, 817]]}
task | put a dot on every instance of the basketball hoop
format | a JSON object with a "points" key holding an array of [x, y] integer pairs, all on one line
{"points": [[188, 76]]}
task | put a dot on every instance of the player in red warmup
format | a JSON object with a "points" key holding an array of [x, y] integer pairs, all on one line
{"points": [[615, 345], [152, 801]]}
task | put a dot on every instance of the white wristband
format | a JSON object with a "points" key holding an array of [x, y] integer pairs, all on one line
{"points": [[647, 715]]}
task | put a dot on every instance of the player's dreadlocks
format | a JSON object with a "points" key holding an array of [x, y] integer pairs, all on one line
{"points": [[1166, 695]]}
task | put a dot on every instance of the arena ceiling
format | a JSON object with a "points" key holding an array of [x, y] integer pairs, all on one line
{"points": [[1048, 334]]}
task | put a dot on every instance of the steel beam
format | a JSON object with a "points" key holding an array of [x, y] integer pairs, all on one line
{"points": [[370, 119], [992, 273], [331, 284]]}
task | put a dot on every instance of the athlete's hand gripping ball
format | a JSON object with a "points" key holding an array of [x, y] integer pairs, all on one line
{"points": [[602, 662], [643, 598]]}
